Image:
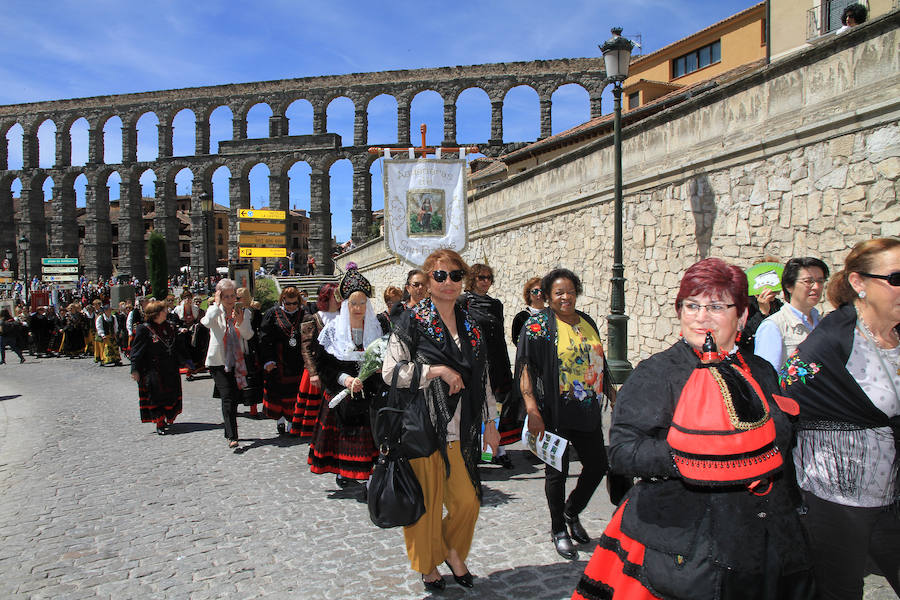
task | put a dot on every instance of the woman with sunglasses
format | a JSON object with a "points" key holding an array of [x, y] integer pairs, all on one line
{"points": [[488, 314], [721, 523], [803, 283], [437, 350], [414, 290], [534, 303], [564, 381], [279, 352], [846, 378]]}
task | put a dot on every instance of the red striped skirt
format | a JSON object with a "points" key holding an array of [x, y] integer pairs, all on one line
{"points": [[347, 451], [306, 410], [275, 407], [614, 570]]}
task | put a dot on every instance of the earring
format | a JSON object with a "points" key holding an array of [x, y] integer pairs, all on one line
{"points": [[862, 294], [737, 338]]}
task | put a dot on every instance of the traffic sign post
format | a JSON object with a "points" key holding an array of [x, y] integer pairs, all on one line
{"points": [[262, 233], [252, 213], [60, 272], [262, 252]]}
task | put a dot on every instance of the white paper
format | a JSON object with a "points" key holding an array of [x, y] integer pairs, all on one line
{"points": [[549, 449]]}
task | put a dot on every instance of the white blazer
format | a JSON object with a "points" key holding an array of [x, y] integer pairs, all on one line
{"points": [[214, 320]]}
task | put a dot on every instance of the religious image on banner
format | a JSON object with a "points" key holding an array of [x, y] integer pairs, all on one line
{"points": [[425, 207], [426, 210]]}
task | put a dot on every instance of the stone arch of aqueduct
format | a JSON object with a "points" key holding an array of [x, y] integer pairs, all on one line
{"points": [[279, 152]]}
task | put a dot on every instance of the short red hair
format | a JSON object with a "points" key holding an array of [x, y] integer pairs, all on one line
{"points": [[326, 292], [714, 276]]}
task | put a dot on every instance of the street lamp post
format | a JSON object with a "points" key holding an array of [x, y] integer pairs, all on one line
{"points": [[206, 203], [617, 56], [23, 244], [8, 265]]}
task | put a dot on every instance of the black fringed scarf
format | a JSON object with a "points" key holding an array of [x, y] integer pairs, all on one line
{"points": [[832, 405], [425, 335]]}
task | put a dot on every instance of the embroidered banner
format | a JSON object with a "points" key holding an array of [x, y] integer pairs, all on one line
{"points": [[424, 207]]}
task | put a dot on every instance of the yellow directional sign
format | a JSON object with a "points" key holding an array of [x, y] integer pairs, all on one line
{"points": [[252, 213], [261, 227], [261, 240], [262, 252]]}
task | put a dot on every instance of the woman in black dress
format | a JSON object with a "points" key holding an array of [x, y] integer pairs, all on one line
{"points": [[714, 514], [156, 355], [279, 353], [342, 443]]}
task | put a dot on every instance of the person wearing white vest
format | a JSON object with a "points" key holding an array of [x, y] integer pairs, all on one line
{"points": [[803, 283]]}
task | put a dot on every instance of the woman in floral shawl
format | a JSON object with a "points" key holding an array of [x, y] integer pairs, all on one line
{"points": [[563, 378]]}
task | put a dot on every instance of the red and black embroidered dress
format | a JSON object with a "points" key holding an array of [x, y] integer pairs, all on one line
{"points": [[279, 342], [674, 540], [309, 397], [342, 442], [157, 354]]}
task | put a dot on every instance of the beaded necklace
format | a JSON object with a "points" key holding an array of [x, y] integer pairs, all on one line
{"points": [[883, 354]]}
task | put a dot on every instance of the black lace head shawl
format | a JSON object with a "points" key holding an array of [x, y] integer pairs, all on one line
{"points": [[426, 337]]}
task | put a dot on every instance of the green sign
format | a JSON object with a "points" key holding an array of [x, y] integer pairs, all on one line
{"points": [[764, 276], [59, 261]]}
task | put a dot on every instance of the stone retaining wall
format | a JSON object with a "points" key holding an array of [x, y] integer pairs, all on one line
{"points": [[799, 158]]}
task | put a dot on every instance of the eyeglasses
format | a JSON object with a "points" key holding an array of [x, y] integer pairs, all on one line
{"points": [[441, 276], [809, 281], [536, 292], [692, 308], [485, 277], [415, 284], [291, 303], [892, 278]]}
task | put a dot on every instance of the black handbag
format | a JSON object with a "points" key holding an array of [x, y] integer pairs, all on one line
{"points": [[395, 496]]}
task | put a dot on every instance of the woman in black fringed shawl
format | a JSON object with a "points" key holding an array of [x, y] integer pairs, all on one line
{"points": [[845, 376], [437, 350]]}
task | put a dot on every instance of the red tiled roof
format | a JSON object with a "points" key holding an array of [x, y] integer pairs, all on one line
{"points": [[598, 126], [640, 59]]}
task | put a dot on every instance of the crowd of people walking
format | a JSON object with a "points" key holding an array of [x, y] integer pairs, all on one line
{"points": [[759, 452]]}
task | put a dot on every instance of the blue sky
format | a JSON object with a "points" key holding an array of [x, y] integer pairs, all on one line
{"points": [[66, 49]]}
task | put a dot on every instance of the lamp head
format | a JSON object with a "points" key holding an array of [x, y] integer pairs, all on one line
{"points": [[617, 55], [205, 202], [23, 243]]}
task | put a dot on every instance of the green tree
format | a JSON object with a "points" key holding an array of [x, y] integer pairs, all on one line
{"points": [[265, 292], [157, 266]]}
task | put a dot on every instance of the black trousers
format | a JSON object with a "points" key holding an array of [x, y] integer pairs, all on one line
{"points": [[231, 397], [13, 344], [841, 538], [594, 464]]}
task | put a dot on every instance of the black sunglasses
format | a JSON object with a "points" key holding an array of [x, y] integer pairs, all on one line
{"points": [[441, 276], [892, 278], [485, 277]]}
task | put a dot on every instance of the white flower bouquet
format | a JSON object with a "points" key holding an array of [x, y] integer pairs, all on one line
{"points": [[371, 363]]}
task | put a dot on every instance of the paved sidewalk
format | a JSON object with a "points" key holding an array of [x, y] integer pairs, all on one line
{"points": [[94, 504]]}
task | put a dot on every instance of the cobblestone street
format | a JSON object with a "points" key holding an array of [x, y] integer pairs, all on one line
{"points": [[94, 504]]}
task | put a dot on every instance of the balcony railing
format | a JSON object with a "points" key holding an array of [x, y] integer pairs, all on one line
{"points": [[826, 17]]}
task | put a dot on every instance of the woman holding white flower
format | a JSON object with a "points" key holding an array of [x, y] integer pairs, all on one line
{"points": [[342, 442]]}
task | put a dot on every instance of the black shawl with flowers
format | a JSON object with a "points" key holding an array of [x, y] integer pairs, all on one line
{"points": [[832, 405], [537, 351], [425, 336]]}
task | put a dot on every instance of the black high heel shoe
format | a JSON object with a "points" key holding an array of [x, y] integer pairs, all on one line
{"points": [[463, 580], [437, 585]]}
